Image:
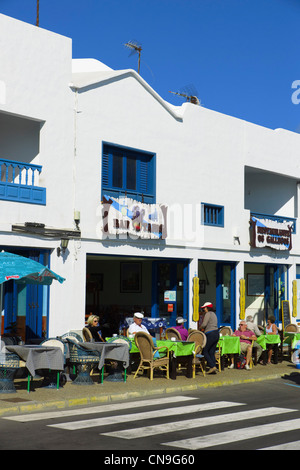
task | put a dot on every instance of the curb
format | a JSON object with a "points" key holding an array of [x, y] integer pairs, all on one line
{"points": [[98, 399]]}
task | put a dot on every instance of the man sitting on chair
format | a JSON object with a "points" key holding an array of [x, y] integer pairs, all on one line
{"points": [[246, 338], [137, 324]]}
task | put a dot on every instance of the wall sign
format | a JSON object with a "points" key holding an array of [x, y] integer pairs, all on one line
{"points": [[170, 296], [270, 233], [125, 216]]}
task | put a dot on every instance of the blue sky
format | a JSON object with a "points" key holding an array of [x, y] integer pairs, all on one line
{"points": [[241, 57]]}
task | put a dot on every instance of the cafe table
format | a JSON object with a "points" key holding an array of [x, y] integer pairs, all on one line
{"points": [[38, 357], [180, 352], [228, 345], [263, 340], [114, 351], [291, 338]]}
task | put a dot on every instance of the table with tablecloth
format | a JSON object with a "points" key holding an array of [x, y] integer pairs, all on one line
{"points": [[180, 352], [291, 338], [112, 351], [263, 340], [229, 345], [37, 357]]}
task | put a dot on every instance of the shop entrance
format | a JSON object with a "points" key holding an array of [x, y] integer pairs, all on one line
{"points": [[169, 290], [217, 285], [225, 292], [25, 307], [266, 287], [117, 287]]}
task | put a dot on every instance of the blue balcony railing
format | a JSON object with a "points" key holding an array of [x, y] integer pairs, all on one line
{"points": [[19, 182]]}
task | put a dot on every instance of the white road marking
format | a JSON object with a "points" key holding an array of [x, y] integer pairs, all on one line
{"points": [[72, 426], [188, 424]]}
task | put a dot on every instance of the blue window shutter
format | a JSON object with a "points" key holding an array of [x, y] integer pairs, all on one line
{"points": [[145, 174], [144, 186], [105, 169]]}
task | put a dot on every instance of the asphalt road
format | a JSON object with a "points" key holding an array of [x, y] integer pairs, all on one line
{"points": [[251, 416]]}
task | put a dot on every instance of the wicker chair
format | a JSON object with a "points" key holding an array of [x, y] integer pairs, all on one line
{"points": [[83, 360], [225, 331], [9, 364], [147, 350], [73, 336], [291, 327], [52, 379], [199, 338], [173, 333], [286, 349], [87, 335]]}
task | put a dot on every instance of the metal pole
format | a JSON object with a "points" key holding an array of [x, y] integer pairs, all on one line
{"points": [[37, 12]]}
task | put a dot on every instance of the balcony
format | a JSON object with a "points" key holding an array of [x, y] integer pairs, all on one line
{"points": [[19, 182]]}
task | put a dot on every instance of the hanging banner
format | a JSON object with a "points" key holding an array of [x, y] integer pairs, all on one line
{"points": [[195, 298], [242, 299], [125, 216], [271, 233], [294, 286]]}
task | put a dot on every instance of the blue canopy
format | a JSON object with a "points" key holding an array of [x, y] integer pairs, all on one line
{"points": [[25, 270]]}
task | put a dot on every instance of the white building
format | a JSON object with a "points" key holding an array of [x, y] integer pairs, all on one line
{"points": [[109, 147]]}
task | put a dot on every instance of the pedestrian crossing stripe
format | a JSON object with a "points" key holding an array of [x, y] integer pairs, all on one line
{"points": [[237, 435], [110, 420], [99, 409], [295, 445], [188, 424]]}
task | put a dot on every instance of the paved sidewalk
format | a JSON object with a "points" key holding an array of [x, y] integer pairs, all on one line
{"points": [[40, 399]]}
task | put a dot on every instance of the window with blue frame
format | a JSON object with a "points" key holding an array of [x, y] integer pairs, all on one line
{"points": [[212, 215], [128, 172]]}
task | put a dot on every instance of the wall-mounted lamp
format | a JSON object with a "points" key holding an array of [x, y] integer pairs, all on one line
{"points": [[77, 219], [63, 246]]}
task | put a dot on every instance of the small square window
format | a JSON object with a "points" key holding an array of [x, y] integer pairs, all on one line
{"points": [[212, 215]]}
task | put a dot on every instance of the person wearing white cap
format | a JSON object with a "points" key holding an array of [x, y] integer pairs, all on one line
{"points": [[210, 328], [137, 324], [179, 326]]}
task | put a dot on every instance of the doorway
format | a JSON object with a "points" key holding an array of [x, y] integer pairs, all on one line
{"points": [[170, 290], [25, 307], [225, 294]]}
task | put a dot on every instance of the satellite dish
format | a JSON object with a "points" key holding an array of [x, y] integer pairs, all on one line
{"points": [[135, 48]]}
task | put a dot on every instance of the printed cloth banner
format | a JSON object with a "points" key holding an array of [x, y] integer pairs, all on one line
{"points": [[125, 216], [271, 233]]}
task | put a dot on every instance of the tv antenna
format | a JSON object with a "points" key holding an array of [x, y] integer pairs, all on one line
{"points": [[135, 48], [190, 93], [37, 12]]}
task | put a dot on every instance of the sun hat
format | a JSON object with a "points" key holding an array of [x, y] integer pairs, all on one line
{"points": [[207, 304], [138, 315], [180, 320]]}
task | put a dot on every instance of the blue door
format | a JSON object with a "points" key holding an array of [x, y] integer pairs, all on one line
{"points": [[225, 294], [275, 290], [169, 278], [25, 305]]}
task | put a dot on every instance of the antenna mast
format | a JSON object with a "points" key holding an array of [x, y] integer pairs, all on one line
{"points": [[37, 12], [135, 47], [190, 93]]}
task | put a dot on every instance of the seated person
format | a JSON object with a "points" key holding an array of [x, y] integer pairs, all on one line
{"points": [[137, 326], [95, 328], [179, 326], [271, 329], [253, 327], [246, 338]]}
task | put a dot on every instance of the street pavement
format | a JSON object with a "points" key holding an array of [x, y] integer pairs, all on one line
{"points": [[70, 395]]}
